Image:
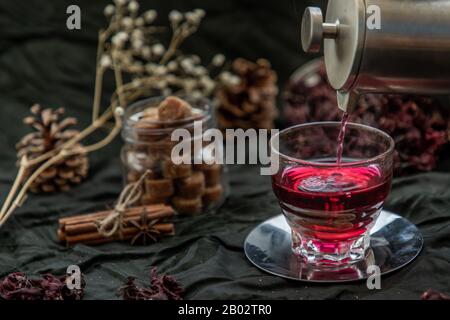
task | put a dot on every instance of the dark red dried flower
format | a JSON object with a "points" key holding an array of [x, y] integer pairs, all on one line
{"points": [[431, 294], [419, 125], [17, 286], [161, 288]]}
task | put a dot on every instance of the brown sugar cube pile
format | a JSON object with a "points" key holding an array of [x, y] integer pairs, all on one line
{"points": [[187, 187], [187, 206], [191, 187]]}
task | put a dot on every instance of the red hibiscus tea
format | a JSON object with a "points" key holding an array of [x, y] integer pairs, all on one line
{"points": [[332, 206]]}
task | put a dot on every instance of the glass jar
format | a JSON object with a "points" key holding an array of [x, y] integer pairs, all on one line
{"points": [[191, 188]]}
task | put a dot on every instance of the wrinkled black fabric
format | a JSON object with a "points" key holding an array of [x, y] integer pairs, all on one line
{"points": [[41, 61]]}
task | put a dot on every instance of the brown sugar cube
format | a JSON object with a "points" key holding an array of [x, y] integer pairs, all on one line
{"points": [[150, 113], [187, 206], [161, 148], [173, 109], [148, 199], [159, 188], [213, 173], [144, 125], [151, 162], [176, 171], [213, 194], [191, 187], [151, 136]]}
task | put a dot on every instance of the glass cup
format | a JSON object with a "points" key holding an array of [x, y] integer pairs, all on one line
{"points": [[331, 207]]}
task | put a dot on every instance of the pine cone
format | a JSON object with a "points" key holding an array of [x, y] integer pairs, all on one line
{"points": [[50, 133], [252, 102]]}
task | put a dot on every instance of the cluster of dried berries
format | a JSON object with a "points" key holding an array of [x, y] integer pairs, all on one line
{"points": [[132, 45], [17, 286], [161, 288], [251, 103], [434, 295], [51, 132], [419, 125]]}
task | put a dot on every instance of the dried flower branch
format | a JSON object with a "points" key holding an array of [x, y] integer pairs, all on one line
{"points": [[142, 67], [153, 69]]}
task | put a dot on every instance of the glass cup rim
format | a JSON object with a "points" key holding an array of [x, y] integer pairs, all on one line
{"points": [[382, 155]]}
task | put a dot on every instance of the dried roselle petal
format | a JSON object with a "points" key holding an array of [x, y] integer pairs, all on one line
{"points": [[17, 286], [52, 287], [161, 288], [13, 281], [166, 285], [130, 291], [434, 295]]}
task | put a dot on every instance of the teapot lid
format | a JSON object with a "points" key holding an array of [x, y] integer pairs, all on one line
{"points": [[343, 34]]}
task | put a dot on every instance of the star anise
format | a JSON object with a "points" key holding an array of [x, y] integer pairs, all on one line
{"points": [[147, 230]]}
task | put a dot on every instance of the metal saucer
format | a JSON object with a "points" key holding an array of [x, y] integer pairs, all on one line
{"points": [[394, 243]]}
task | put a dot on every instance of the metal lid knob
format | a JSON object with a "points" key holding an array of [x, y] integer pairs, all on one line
{"points": [[314, 30]]}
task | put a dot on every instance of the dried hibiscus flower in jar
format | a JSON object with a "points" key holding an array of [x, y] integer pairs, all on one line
{"points": [[418, 125]]}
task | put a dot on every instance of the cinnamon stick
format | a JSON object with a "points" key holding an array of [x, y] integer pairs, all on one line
{"points": [[102, 214], [83, 228], [75, 228], [127, 234]]}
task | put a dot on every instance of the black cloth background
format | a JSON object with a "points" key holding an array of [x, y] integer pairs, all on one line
{"points": [[41, 61]]}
